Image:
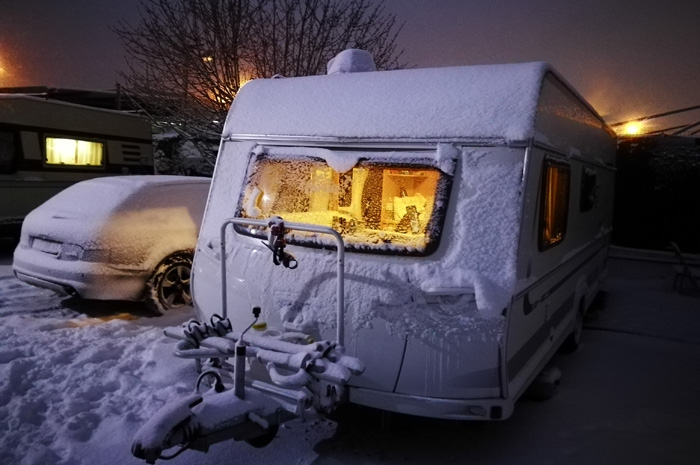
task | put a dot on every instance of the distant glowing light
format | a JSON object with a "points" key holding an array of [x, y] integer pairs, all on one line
{"points": [[9, 75], [633, 128], [3, 71]]}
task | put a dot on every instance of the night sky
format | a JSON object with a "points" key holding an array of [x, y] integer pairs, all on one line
{"points": [[629, 58]]}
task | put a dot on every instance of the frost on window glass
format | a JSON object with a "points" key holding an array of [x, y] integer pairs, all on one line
{"points": [[376, 206]]}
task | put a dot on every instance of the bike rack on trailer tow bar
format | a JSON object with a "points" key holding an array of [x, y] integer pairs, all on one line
{"points": [[320, 370]]}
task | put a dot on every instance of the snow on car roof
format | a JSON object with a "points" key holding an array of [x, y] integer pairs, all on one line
{"points": [[112, 192], [144, 181], [477, 102], [133, 183], [113, 211]]}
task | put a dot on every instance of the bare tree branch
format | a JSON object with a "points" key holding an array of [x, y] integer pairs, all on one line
{"points": [[187, 59]]}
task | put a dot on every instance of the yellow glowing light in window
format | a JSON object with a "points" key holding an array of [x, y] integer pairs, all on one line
{"points": [[632, 129], [370, 204], [61, 151], [207, 59], [555, 204]]}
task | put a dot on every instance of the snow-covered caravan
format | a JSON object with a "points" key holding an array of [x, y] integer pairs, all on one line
{"points": [[471, 207], [475, 204], [46, 146]]}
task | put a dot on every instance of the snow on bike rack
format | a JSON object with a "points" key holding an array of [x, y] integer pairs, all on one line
{"points": [[305, 379]]}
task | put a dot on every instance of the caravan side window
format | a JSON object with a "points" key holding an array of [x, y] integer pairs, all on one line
{"points": [[74, 152], [554, 205]]}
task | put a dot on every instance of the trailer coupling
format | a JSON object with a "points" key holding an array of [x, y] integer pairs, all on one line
{"points": [[304, 379]]}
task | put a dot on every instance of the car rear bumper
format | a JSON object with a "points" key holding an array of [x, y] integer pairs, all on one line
{"points": [[85, 279], [58, 288]]}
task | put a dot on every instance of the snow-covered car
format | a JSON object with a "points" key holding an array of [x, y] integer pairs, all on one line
{"points": [[116, 238]]}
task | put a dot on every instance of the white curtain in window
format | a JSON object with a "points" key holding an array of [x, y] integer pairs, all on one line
{"points": [[73, 152], [88, 153]]}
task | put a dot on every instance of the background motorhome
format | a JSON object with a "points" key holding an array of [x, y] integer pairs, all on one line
{"points": [[45, 146]]}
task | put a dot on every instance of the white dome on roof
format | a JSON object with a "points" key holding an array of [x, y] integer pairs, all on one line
{"points": [[352, 60]]}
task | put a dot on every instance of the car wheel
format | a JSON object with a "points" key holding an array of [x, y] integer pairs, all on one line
{"points": [[169, 286]]}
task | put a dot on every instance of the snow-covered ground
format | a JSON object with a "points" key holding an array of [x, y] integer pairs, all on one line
{"points": [[78, 378]]}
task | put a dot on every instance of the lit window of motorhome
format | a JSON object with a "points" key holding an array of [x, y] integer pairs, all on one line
{"points": [[74, 152], [555, 203]]}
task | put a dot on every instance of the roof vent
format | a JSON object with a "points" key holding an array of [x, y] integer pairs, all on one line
{"points": [[352, 60]]}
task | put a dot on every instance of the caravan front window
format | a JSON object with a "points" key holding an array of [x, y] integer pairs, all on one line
{"points": [[376, 206], [74, 152]]}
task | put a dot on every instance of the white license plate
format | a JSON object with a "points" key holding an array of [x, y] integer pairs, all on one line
{"points": [[51, 247]]}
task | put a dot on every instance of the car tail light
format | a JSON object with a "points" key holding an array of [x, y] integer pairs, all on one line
{"points": [[70, 252]]}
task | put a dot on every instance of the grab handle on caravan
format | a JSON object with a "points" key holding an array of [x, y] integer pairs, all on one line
{"points": [[298, 227], [448, 291], [433, 294]]}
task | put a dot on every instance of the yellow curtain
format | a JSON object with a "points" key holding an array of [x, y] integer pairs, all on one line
{"points": [[556, 204], [60, 151]]}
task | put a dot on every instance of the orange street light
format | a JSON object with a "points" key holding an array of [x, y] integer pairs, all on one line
{"points": [[633, 128]]}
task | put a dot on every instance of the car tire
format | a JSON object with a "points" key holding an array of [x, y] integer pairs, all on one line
{"points": [[169, 286]]}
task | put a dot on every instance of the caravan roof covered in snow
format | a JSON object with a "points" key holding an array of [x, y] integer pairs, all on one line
{"points": [[478, 103]]}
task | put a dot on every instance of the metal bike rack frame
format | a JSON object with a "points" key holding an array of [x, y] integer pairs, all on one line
{"points": [[297, 227]]}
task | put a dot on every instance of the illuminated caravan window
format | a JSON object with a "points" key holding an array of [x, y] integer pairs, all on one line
{"points": [[377, 207], [60, 151], [554, 208]]}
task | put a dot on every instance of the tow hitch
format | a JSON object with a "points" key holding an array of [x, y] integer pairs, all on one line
{"points": [[304, 378]]}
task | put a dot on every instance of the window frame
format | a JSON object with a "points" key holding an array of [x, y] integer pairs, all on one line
{"points": [[560, 218], [433, 229], [589, 187]]}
